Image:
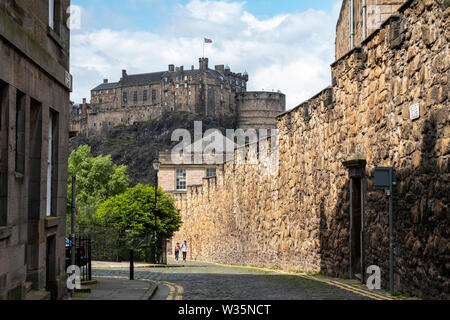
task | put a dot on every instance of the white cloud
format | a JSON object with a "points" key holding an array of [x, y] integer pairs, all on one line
{"points": [[290, 52]]}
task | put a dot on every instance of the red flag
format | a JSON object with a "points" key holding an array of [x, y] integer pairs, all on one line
{"points": [[208, 40]]}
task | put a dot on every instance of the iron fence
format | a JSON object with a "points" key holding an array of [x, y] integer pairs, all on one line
{"points": [[109, 244], [83, 256]]}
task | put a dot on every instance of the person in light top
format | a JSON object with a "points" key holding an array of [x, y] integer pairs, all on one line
{"points": [[184, 250]]}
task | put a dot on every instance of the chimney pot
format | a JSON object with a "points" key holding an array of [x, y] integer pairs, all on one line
{"points": [[124, 73]]}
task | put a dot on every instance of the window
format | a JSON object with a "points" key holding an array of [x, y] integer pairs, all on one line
{"points": [[52, 164], [177, 86], [51, 13], [185, 85], [180, 177], [185, 78], [125, 97], [49, 165], [135, 97], [166, 94], [153, 95], [3, 107], [190, 93], [20, 132], [211, 172], [144, 96]]}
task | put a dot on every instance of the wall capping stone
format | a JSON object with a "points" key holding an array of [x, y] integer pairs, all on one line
{"points": [[51, 222]]}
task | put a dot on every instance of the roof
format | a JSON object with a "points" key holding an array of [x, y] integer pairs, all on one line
{"points": [[107, 86], [146, 78]]}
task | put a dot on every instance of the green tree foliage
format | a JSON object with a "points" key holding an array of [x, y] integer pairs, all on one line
{"points": [[134, 211], [97, 180]]}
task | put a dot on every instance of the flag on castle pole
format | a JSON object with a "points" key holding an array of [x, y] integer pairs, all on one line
{"points": [[206, 40]]}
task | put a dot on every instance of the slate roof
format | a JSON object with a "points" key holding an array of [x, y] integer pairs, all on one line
{"points": [[107, 86], [145, 78]]}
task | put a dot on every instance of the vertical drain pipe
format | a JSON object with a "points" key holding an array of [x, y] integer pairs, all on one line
{"points": [[351, 25], [364, 12]]}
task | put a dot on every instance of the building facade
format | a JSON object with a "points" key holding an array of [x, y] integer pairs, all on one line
{"points": [[34, 98], [358, 19], [203, 91]]}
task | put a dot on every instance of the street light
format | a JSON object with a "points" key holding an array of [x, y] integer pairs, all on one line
{"points": [[156, 165]]}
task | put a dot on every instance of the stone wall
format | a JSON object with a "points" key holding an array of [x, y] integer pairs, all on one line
{"points": [[299, 218]]}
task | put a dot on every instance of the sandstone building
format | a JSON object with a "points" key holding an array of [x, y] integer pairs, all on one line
{"points": [[34, 115], [388, 105], [203, 91], [358, 19]]}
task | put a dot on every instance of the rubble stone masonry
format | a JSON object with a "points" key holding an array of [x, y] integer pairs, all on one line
{"points": [[299, 219]]}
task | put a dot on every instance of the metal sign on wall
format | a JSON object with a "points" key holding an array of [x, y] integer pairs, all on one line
{"points": [[414, 111], [384, 177]]}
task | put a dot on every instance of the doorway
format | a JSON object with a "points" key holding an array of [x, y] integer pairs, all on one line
{"points": [[356, 228], [50, 267], [356, 171]]}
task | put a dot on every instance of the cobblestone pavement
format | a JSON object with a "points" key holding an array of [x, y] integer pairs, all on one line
{"points": [[204, 281]]}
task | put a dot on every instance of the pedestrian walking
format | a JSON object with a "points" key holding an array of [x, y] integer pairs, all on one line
{"points": [[184, 250], [177, 251]]}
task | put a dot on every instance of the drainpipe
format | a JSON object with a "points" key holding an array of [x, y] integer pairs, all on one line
{"points": [[364, 10], [351, 25]]}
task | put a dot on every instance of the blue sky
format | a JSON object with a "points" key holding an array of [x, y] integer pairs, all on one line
{"points": [[151, 14], [284, 45]]}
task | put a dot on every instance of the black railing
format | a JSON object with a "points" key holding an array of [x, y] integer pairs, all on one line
{"points": [[83, 256]]}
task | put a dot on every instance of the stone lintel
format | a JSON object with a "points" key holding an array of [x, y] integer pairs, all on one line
{"points": [[356, 167]]}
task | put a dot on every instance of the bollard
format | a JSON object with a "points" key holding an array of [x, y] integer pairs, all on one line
{"points": [[131, 264]]}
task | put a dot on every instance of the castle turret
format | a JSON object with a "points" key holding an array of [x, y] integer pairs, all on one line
{"points": [[258, 110]]}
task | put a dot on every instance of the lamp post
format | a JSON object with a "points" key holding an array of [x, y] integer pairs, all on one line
{"points": [[156, 165]]}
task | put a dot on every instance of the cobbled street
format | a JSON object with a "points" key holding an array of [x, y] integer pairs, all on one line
{"points": [[204, 281]]}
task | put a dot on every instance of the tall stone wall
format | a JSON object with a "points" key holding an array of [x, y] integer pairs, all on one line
{"points": [[299, 218]]}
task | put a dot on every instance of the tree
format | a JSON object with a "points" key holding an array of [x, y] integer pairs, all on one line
{"points": [[97, 180], [133, 212]]}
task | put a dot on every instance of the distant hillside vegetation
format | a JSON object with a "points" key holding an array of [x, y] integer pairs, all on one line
{"points": [[136, 145]]}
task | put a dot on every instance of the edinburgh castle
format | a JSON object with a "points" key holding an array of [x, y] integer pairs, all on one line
{"points": [[203, 91]]}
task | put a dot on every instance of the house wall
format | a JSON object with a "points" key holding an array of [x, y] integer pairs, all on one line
{"points": [[34, 83]]}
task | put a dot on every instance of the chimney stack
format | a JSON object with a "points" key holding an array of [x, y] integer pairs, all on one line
{"points": [[182, 68], [192, 67], [203, 64], [84, 107], [124, 73], [105, 80], [171, 67], [220, 68]]}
